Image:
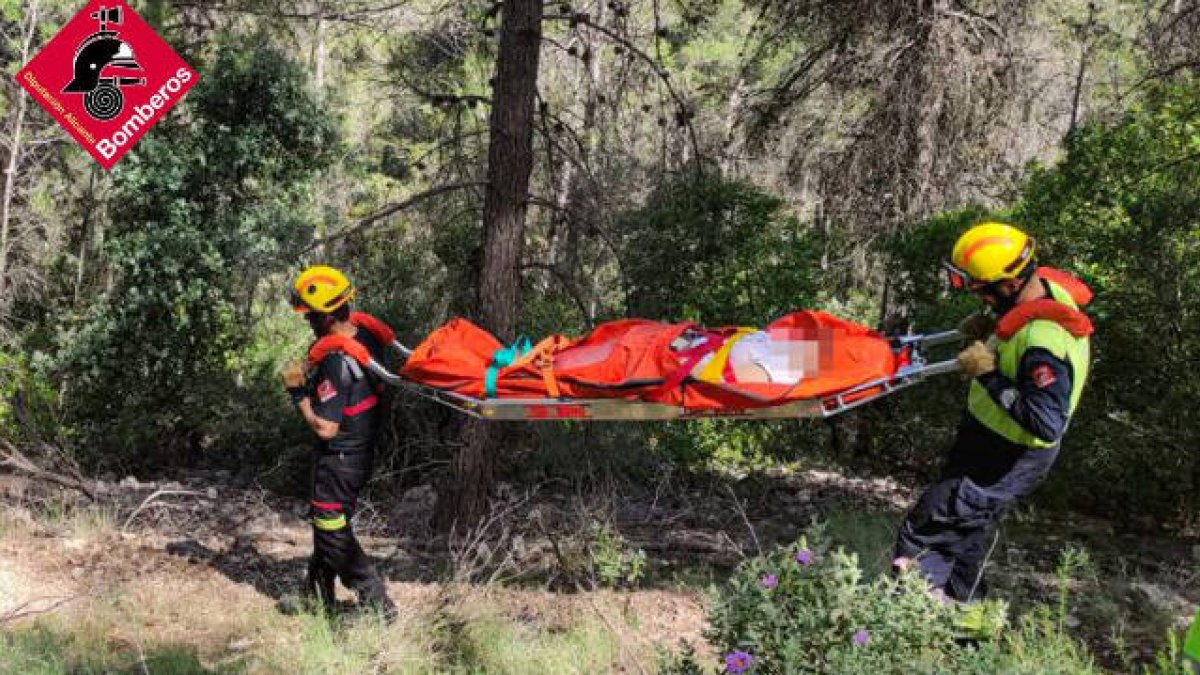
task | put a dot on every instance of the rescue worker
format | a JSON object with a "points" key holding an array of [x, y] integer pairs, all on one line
{"points": [[340, 402], [1026, 381]]}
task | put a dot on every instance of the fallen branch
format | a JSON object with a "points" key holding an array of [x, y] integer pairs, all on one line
{"points": [[155, 495], [20, 611], [13, 458]]}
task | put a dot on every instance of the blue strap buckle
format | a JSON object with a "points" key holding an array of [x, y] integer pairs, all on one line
{"points": [[503, 358]]}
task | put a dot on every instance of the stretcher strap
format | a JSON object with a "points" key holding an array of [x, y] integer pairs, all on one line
{"points": [[688, 360], [503, 358], [545, 363]]}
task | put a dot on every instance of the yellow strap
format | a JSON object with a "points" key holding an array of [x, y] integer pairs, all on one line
{"points": [[715, 370], [328, 524]]}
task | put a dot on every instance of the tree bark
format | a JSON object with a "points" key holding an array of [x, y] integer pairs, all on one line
{"points": [[83, 234], [462, 501], [1084, 50], [319, 76], [14, 158]]}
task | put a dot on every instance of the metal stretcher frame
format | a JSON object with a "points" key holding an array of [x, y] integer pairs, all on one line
{"points": [[615, 409]]}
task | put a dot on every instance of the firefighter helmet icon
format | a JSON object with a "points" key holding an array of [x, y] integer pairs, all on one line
{"points": [[99, 52]]}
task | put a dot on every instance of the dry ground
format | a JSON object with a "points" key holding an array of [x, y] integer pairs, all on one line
{"points": [[171, 577]]}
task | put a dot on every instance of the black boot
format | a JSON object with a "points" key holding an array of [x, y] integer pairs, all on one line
{"points": [[372, 596], [316, 594]]}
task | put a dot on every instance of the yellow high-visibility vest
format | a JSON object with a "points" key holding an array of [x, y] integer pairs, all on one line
{"points": [[1047, 335]]}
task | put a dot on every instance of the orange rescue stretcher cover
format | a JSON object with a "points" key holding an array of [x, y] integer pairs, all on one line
{"points": [[638, 360]]}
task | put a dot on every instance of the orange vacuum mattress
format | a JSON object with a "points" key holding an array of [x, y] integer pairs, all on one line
{"points": [[803, 355]]}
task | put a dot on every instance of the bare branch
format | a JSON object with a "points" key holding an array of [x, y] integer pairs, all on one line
{"points": [[391, 209], [22, 611], [659, 71], [155, 495], [742, 512]]}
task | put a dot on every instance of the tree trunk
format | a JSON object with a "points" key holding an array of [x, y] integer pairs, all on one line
{"points": [[83, 234], [462, 501], [1084, 48], [319, 76], [14, 158]]}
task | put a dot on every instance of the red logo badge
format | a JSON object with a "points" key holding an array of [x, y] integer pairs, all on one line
{"points": [[1043, 376], [326, 390], [107, 78]]}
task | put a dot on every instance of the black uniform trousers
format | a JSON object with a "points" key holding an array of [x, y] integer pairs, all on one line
{"points": [[953, 524], [336, 482]]}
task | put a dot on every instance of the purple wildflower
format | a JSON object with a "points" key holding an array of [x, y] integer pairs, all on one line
{"points": [[769, 581], [804, 557], [738, 662], [902, 563], [862, 637]]}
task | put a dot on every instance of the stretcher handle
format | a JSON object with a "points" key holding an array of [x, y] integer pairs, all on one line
{"points": [[383, 373], [404, 351], [931, 339], [940, 368]]}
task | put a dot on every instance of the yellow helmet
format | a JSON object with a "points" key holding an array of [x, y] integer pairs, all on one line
{"points": [[321, 289], [987, 253]]}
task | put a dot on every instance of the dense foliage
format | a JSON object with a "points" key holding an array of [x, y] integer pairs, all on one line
{"points": [[203, 211]]}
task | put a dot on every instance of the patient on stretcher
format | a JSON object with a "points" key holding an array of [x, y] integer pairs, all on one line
{"points": [[754, 356]]}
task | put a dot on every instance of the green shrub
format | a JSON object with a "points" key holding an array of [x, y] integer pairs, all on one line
{"points": [[613, 562], [29, 404], [719, 252]]}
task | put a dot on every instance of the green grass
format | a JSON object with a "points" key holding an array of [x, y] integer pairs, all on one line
{"points": [[104, 637], [317, 646], [77, 519], [498, 646], [54, 648]]}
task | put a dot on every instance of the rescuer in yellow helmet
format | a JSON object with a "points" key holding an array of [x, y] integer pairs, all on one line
{"points": [[1028, 364], [339, 401]]}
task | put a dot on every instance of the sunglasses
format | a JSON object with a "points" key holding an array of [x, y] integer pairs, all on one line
{"points": [[960, 280]]}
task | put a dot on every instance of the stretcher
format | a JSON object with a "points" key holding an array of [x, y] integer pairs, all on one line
{"points": [[904, 358]]}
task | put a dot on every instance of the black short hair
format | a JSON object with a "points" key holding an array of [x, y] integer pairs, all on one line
{"points": [[341, 313]]}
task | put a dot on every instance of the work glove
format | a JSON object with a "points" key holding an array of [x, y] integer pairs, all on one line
{"points": [[295, 380], [977, 359], [978, 326]]}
